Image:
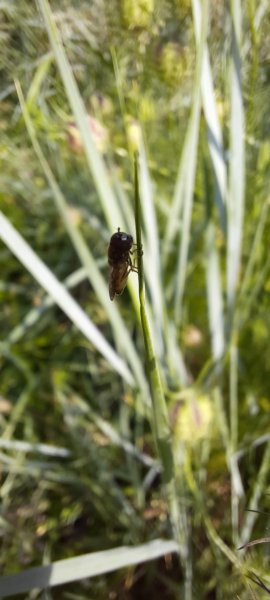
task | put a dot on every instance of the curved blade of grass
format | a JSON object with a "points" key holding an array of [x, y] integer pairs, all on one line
{"points": [[218, 541], [189, 167], [40, 74], [100, 286], [214, 133], [96, 164], [80, 567], [19, 247], [263, 540]]}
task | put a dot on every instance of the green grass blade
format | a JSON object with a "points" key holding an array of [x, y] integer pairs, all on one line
{"points": [[161, 422], [236, 191], [33, 316], [182, 198], [249, 518], [151, 246], [174, 223], [22, 402], [235, 475], [83, 251], [116, 439], [257, 242], [80, 567], [189, 170], [96, 164], [161, 426], [44, 449], [235, 218], [214, 295], [214, 133], [19, 247], [41, 72]]}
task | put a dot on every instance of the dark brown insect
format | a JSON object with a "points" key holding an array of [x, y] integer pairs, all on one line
{"points": [[120, 263]]}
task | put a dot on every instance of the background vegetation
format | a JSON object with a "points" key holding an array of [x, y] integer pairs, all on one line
{"points": [[188, 84]]}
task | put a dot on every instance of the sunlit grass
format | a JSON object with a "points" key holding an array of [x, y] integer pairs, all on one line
{"points": [[164, 423]]}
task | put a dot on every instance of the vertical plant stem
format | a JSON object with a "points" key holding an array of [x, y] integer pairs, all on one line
{"points": [[161, 427], [234, 436], [161, 421], [190, 169], [236, 204], [236, 192]]}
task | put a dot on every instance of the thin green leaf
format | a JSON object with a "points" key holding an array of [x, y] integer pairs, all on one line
{"points": [[96, 164], [214, 133], [161, 426], [189, 166], [41, 72], [151, 247], [257, 492], [19, 247], [236, 189], [264, 540], [80, 567], [214, 295], [94, 275], [47, 450], [33, 316]]}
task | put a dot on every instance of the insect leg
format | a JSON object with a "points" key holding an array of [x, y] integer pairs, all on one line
{"points": [[131, 266]]}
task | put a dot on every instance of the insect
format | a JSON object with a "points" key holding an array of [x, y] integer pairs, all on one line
{"points": [[120, 263]]}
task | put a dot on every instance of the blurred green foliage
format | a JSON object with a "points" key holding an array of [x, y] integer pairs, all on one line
{"points": [[53, 381]]}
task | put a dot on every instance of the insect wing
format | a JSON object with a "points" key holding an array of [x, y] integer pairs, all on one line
{"points": [[118, 275]]}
